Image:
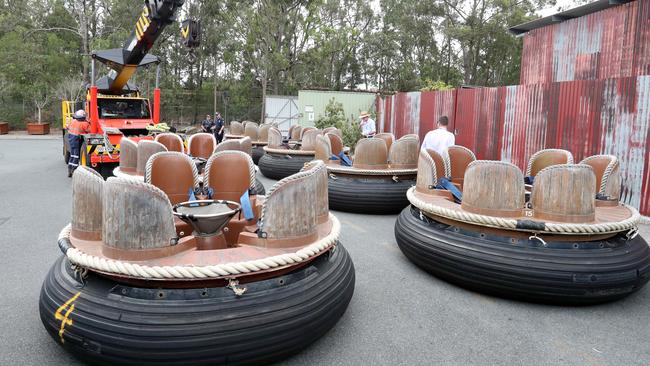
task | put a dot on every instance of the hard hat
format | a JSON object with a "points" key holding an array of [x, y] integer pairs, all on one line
{"points": [[79, 115]]}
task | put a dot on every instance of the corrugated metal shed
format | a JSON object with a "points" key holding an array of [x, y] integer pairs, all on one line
{"points": [[611, 43], [312, 104]]}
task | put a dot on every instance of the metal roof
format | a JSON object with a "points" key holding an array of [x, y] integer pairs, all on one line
{"points": [[566, 15]]}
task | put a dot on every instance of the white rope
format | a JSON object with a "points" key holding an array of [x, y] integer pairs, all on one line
{"points": [[613, 163], [193, 272], [511, 224], [288, 151], [353, 170], [118, 173]]}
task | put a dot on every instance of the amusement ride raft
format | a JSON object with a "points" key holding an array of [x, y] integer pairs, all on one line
{"points": [[134, 156], [147, 277], [572, 242], [376, 181], [285, 157]]}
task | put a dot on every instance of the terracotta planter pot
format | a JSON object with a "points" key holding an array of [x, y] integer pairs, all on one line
{"points": [[4, 128], [38, 128]]}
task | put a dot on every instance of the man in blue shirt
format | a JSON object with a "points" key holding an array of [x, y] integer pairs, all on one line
{"points": [[208, 125]]}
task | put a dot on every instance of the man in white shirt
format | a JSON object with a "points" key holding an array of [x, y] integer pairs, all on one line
{"points": [[439, 139], [367, 124]]}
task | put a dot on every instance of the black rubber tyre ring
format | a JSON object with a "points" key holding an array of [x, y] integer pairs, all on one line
{"points": [[258, 151], [276, 166], [114, 324], [259, 188], [380, 196], [560, 273]]}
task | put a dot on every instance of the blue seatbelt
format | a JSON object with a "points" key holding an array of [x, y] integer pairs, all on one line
{"points": [[245, 202], [210, 192], [192, 197], [334, 157], [529, 180], [344, 159], [444, 183]]}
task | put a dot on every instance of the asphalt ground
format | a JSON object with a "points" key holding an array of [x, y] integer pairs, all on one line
{"points": [[399, 315]]}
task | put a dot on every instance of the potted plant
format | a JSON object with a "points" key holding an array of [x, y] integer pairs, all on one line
{"points": [[40, 97], [4, 128]]}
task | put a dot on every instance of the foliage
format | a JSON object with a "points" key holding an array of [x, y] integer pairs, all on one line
{"points": [[438, 85], [334, 116], [351, 134]]}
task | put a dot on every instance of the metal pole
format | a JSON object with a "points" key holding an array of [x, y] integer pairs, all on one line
{"points": [[157, 75], [92, 72]]}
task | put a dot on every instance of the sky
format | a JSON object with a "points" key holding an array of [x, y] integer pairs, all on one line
{"points": [[564, 4]]}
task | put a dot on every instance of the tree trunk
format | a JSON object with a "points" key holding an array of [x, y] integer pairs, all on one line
{"points": [[262, 115]]}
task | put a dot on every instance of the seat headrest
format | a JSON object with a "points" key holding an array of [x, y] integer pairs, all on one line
{"points": [[236, 128], [201, 145], [295, 132], [546, 158], [172, 141], [427, 178], [87, 208], [128, 155], [333, 130], [388, 138], [232, 144], [404, 154], [251, 130], [305, 130], [458, 158], [137, 216], [336, 143], [263, 134], [370, 153], [229, 174], [443, 170], [320, 172], [246, 145], [146, 148], [275, 138], [174, 173], [608, 174], [308, 142], [323, 149], [411, 136], [480, 195], [565, 193]]}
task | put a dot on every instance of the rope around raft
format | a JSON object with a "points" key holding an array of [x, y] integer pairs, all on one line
{"points": [[353, 170], [271, 150], [226, 270], [513, 224]]}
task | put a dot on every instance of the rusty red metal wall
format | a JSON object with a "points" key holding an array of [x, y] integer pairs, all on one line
{"points": [[586, 117], [611, 43]]}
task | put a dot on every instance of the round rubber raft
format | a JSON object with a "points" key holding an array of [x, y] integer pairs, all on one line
{"points": [[565, 245]]}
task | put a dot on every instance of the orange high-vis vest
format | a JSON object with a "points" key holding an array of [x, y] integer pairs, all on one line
{"points": [[78, 127]]}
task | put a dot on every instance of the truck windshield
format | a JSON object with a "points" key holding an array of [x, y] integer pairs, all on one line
{"points": [[123, 108]]}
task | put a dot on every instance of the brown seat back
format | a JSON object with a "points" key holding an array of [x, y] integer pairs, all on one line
{"points": [[336, 143], [427, 178], [370, 153], [263, 134], [289, 210], [321, 201], [128, 155], [480, 195], [251, 130], [411, 136], [403, 154], [323, 150], [146, 148], [308, 142], [546, 158], [608, 175], [275, 138], [295, 132], [229, 174], [201, 145], [87, 208], [459, 157], [246, 145], [172, 141], [236, 128], [305, 130], [232, 144], [174, 173], [565, 193], [443, 170], [137, 216], [388, 138]]}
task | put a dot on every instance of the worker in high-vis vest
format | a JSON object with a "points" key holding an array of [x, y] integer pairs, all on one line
{"points": [[76, 128]]}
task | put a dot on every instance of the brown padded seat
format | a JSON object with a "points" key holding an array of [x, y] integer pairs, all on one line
{"points": [[128, 155], [146, 149], [174, 173], [608, 175], [275, 138], [309, 139], [305, 130], [370, 153], [323, 150], [251, 130], [232, 144], [388, 138], [229, 174], [172, 141], [459, 157], [295, 132], [246, 145], [403, 154], [545, 158], [442, 169], [236, 128], [201, 145], [336, 143], [263, 133], [565, 193], [411, 136]]}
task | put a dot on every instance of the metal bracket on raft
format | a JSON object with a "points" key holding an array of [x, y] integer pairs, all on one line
{"points": [[532, 237], [233, 285], [332, 176], [632, 233], [395, 179]]}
